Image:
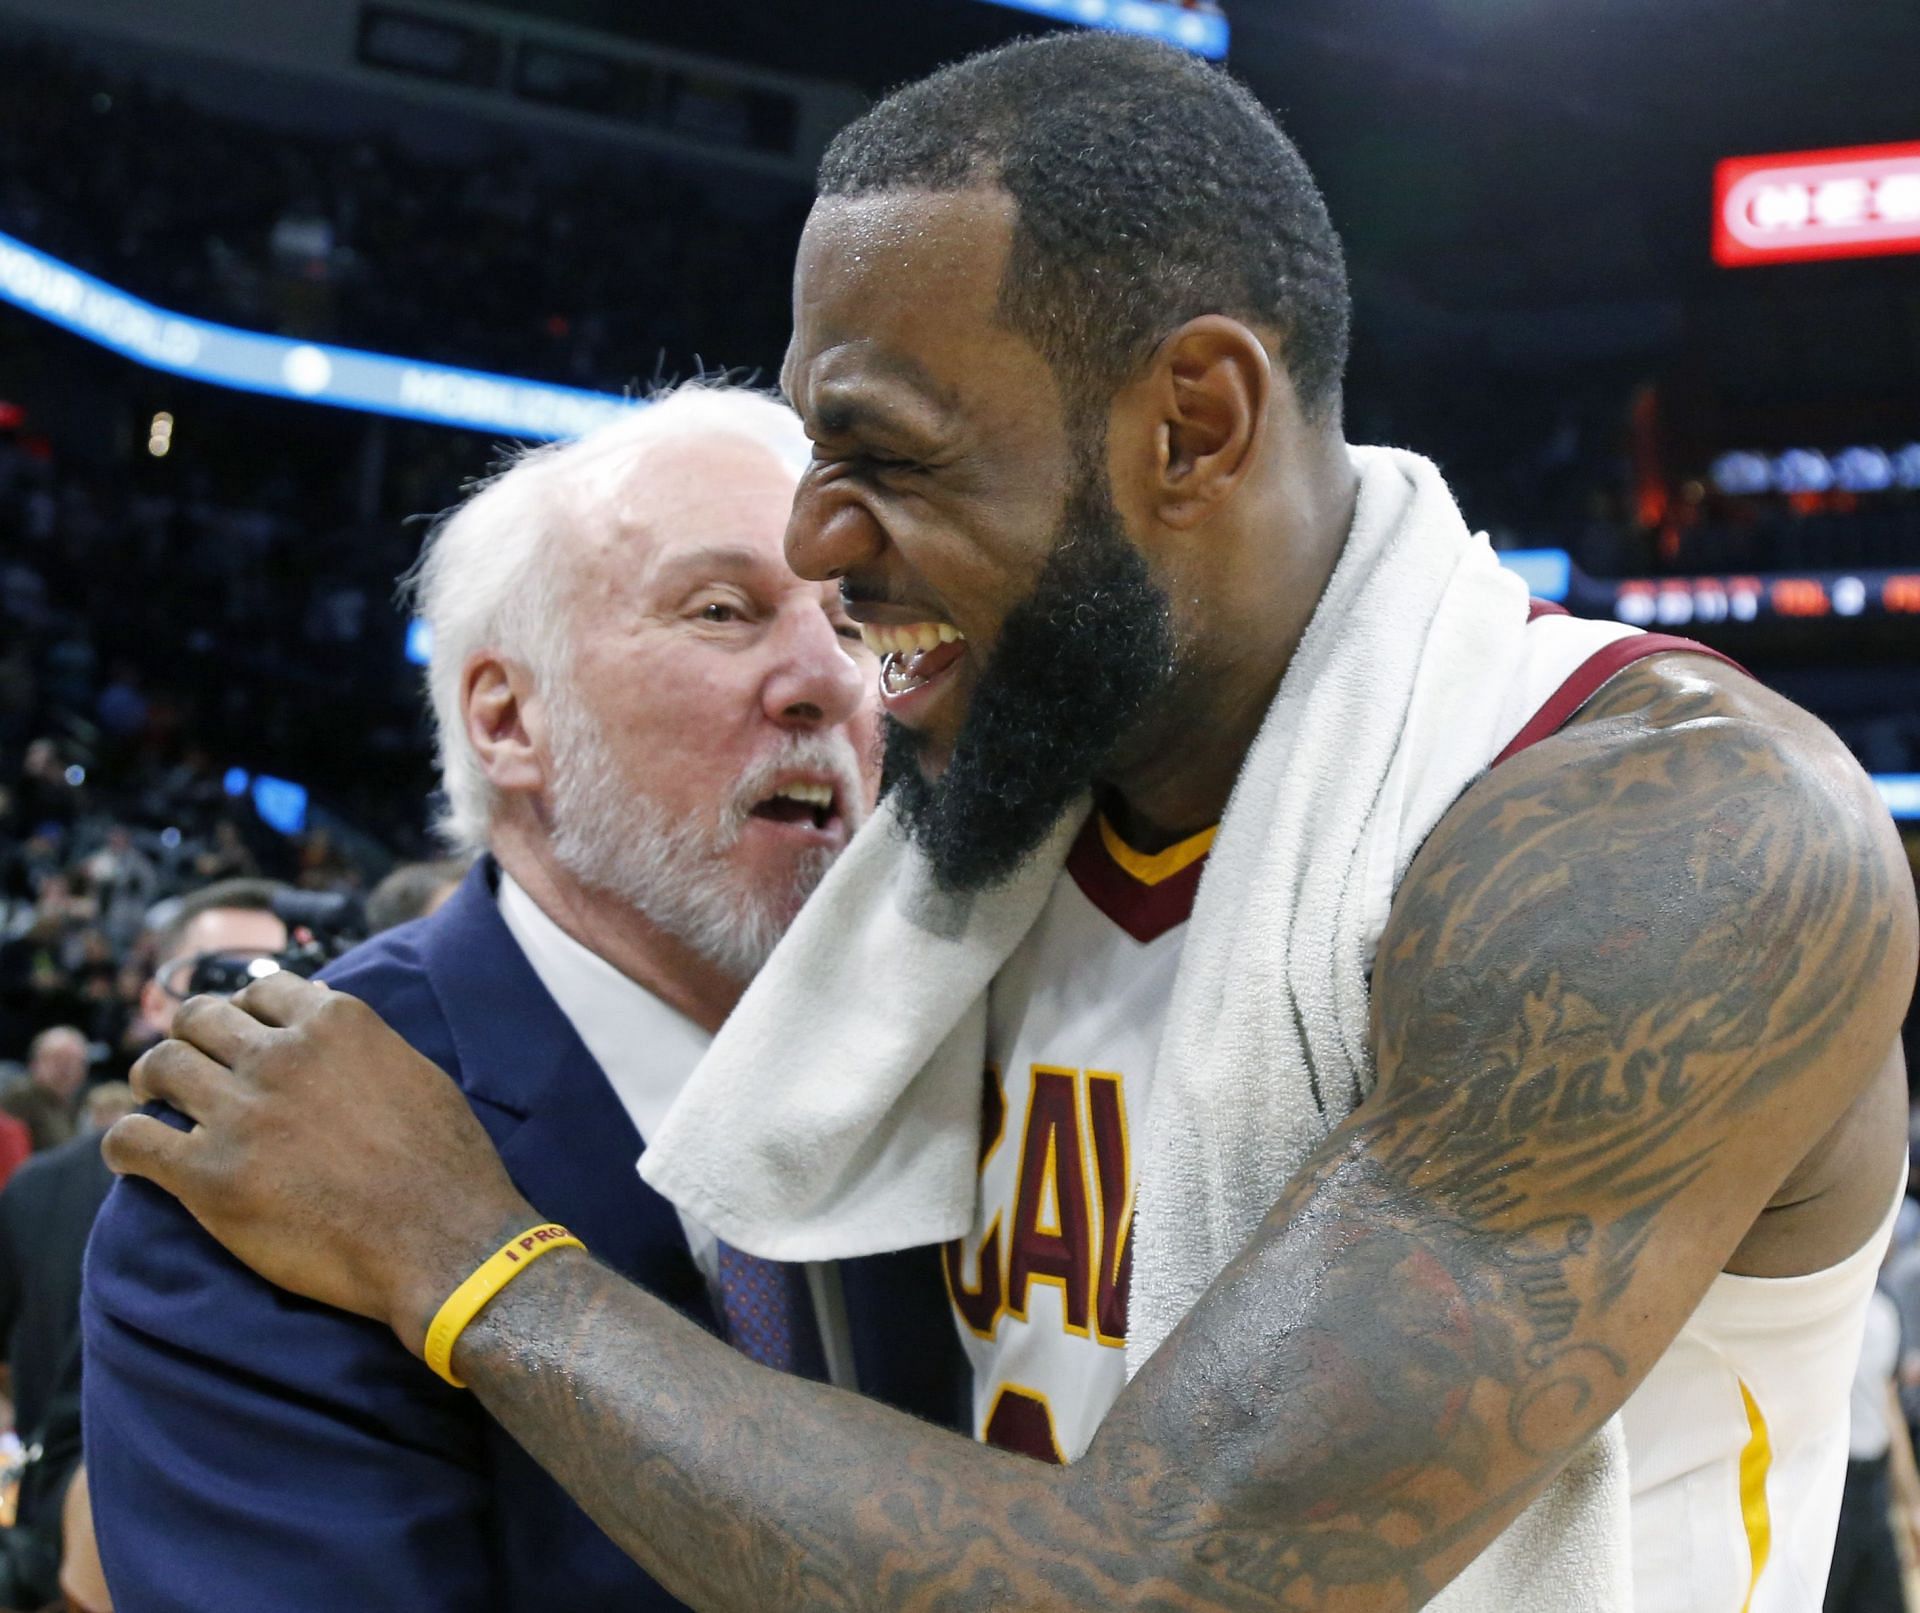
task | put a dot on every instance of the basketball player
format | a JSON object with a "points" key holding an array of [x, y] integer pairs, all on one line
{"points": [[1070, 324]]}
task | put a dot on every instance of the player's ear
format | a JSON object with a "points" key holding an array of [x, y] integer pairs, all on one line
{"points": [[1202, 404]]}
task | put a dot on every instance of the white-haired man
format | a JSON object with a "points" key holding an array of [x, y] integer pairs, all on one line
{"points": [[658, 737]]}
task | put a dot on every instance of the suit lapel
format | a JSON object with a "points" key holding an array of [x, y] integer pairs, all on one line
{"points": [[564, 1136]]}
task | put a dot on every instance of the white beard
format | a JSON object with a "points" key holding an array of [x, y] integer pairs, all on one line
{"points": [[611, 835]]}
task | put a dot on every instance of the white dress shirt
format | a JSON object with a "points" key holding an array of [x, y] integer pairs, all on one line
{"points": [[646, 1049]]}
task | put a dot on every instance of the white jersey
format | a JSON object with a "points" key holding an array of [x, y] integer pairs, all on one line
{"points": [[1737, 1440], [1073, 1032]]}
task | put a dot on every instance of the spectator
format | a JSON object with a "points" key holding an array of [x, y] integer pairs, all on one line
{"points": [[412, 891], [46, 1214], [48, 1098], [125, 883], [57, 1063], [16, 1141], [106, 1103], [230, 918]]}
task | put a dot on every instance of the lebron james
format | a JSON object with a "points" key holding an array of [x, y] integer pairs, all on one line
{"points": [[1070, 325]]}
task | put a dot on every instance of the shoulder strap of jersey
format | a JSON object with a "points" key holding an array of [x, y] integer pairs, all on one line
{"points": [[1585, 680]]}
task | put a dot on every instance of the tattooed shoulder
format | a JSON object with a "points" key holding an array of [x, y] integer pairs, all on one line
{"points": [[1655, 957]]}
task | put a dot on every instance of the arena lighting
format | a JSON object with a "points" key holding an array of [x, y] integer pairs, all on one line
{"points": [[1747, 472], [1850, 202], [1667, 602], [1901, 792], [281, 803], [1203, 33], [1680, 601], [1548, 573], [308, 372]]}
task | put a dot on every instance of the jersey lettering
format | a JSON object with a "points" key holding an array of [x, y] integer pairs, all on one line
{"points": [[1022, 1421], [979, 1304], [1113, 1176], [1052, 1240], [1056, 1235]]}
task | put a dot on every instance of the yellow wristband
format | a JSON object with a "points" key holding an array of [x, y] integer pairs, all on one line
{"points": [[494, 1273]]}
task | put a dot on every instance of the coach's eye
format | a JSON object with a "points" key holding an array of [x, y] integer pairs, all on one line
{"points": [[718, 612]]}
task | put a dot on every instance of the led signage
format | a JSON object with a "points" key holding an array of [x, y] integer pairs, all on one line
{"points": [[310, 372], [1852, 202], [1202, 32]]}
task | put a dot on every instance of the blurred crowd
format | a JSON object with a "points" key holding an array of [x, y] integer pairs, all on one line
{"points": [[361, 242], [118, 739]]}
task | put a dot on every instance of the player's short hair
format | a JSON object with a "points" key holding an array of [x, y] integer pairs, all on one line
{"points": [[489, 577], [1151, 189]]}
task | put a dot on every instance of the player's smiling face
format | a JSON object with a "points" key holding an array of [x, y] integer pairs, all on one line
{"points": [[1025, 641], [941, 460]]}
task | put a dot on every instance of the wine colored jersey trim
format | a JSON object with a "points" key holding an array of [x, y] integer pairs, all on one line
{"points": [[1150, 893]]}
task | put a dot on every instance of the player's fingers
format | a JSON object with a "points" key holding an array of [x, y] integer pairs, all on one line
{"points": [[281, 998], [180, 1075], [139, 1145], [218, 1028]]}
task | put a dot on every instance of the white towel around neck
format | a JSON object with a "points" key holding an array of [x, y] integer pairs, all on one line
{"points": [[837, 1112]]}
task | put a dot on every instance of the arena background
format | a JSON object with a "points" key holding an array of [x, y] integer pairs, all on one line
{"points": [[277, 280]]}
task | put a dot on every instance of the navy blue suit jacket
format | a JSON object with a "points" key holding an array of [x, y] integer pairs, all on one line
{"points": [[248, 1449]]}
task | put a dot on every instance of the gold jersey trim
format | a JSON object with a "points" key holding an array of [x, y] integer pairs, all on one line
{"points": [[1153, 869], [1756, 1460]]}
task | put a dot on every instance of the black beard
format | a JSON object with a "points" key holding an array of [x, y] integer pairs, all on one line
{"points": [[1080, 664]]}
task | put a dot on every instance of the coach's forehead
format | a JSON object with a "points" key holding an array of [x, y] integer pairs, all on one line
{"points": [[699, 490], [902, 286]]}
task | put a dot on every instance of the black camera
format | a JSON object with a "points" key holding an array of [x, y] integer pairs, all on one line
{"points": [[321, 925]]}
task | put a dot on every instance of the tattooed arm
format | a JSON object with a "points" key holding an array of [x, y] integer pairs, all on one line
{"points": [[1633, 978]]}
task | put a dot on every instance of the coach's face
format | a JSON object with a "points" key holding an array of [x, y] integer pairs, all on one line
{"points": [[728, 697], [1026, 635]]}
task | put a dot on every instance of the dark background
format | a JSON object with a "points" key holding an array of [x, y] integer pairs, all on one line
{"points": [[1524, 187]]}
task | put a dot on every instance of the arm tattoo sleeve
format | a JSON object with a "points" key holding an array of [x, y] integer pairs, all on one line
{"points": [[1611, 979]]}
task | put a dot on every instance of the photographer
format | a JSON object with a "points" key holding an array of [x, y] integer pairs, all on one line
{"points": [[223, 925], [210, 940]]}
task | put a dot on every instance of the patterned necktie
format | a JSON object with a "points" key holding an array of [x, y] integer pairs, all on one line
{"points": [[769, 1313]]}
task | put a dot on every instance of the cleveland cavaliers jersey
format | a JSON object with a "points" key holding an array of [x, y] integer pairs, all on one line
{"points": [[1073, 1031], [1737, 1440]]}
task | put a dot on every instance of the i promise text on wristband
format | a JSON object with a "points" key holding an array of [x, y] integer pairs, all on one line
{"points": [[493, 1274]]}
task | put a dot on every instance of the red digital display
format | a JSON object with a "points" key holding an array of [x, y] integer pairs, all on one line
{"points": [[1676, 601], [1853, 202]]}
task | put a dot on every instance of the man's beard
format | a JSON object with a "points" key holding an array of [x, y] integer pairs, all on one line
{"points": [[1080, 664], [614, 837]]}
